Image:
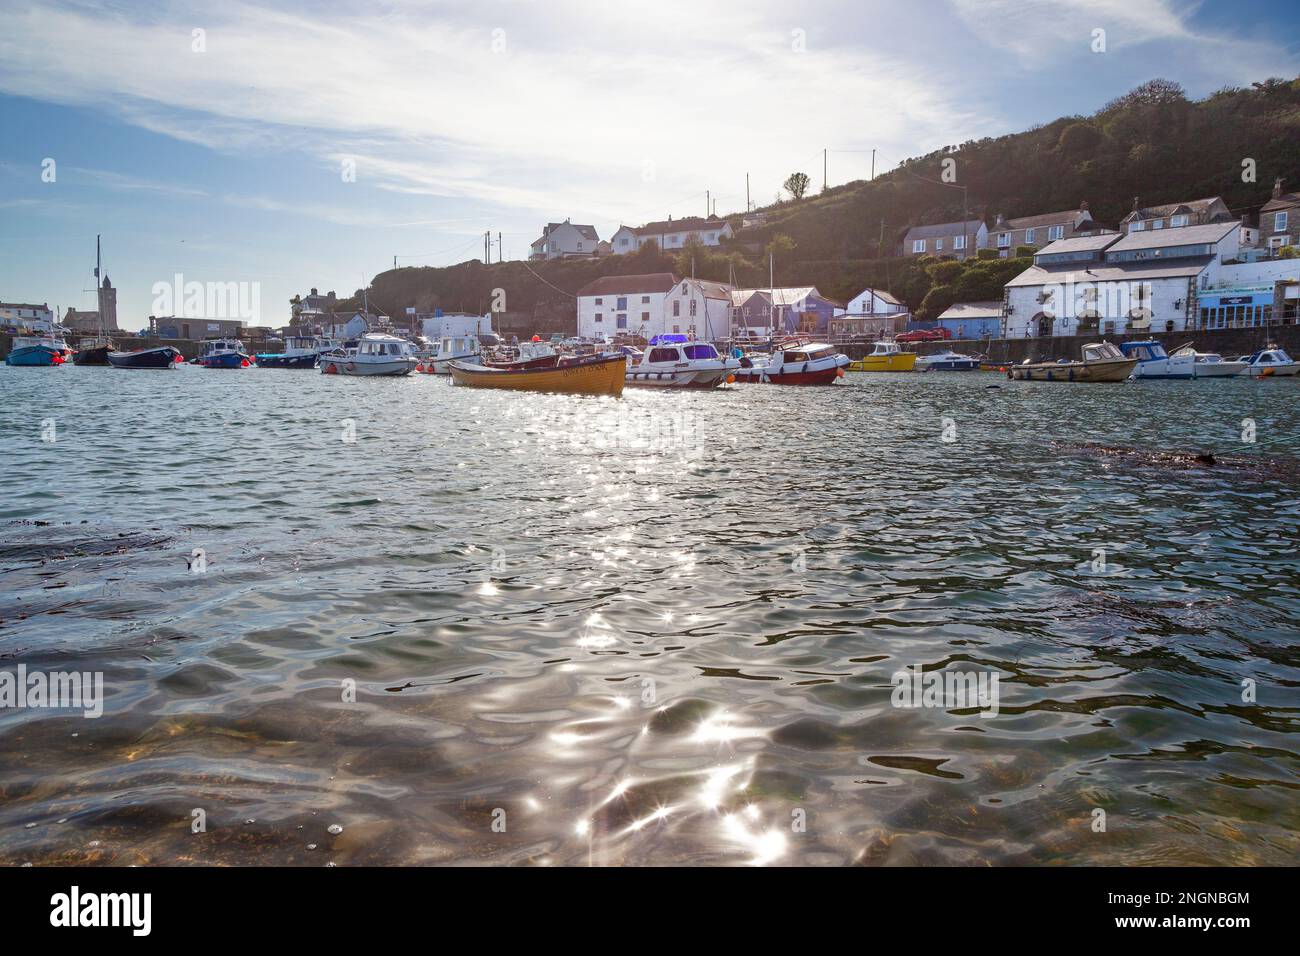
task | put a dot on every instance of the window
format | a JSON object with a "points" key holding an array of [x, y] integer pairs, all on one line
{"points": [[621, 303], [677, 330], [622, 321], [663, 355], [1004, 240], [938, 245], [959, 242], [712, 237], [1279, 221], [918, 245], [600, 317], [622, 241], [683, 288], [1178, 220], [599, 300], [645, 317], [1029, 236], [700, 352], [579, 245], [677, 307], [1136, 226], [692, 308], [1158, 224], [1055, 232], [645, 300]]}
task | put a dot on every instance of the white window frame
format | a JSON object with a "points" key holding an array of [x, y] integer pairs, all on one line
{"points": [[918, 245], [938, 245], [1280, 220], [1029, 237], [1179, 220], [1158, 224], [1137, 225], [958, 243], [1055, 232], [1004, 240]]}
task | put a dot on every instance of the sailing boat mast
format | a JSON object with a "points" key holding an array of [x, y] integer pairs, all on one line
{"points": [[99, 294]]}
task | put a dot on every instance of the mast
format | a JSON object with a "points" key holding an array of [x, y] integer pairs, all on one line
{"points": [[771, 293], [99, 292]]}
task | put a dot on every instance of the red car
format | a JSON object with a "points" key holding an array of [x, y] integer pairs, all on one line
{"points": [[924, 335]]}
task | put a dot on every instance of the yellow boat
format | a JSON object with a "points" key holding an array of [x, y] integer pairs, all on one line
{"points": [[601, 375], [887, 357]]}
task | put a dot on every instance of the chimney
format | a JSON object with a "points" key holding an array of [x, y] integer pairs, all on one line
{"points": [[1083, 206], [1135, 204], [1277, 188]]}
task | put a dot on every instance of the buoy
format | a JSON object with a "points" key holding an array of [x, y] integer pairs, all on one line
{"points": [[839, 373], [243, 363], [731, 380], [331, 369]]}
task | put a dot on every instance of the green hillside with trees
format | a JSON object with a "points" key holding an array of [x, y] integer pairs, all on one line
{"points": [[1153, 143]]}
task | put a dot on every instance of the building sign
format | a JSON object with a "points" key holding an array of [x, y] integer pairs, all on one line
{"points": [[1236, 300]]}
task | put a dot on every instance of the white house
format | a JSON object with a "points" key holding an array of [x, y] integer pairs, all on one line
{"points": [[697, 307], [874, 302], [1114, 284], [624, 304], [672, 234], [562, 240], [26, 316]]}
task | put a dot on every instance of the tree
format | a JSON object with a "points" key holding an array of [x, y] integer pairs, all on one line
{"points": [[780, 244], [797, 184], [1156, 92]]}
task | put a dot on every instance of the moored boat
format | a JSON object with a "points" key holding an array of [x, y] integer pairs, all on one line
{"points": [[681, 365], [454, 348], [795, 362], [597, 375], [1154, 362], [93, 351], [1270, 362], [223, 353], [300, 351], [376, 354], [946, 361], [885, 357], [1102, 362], [36, 350], [163, 356], [1211, 364]]}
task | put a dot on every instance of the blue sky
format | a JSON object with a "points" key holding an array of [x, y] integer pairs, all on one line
{"points": [[224, 160]]}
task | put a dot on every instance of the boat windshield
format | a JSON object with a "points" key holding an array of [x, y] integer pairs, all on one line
{"points": [[700, 351], [1100, 351], [826, 352]]}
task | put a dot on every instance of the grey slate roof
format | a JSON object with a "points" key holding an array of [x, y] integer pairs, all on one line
{"points": [[1110, 271], [943, 230], [1177, 236]]}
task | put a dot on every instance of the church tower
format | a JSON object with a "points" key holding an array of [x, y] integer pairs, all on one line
{"points": [[108, 306]]}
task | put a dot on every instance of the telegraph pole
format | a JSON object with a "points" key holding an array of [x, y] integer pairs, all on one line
{"points": [[748, 205], [873, 164], [825, 151]]}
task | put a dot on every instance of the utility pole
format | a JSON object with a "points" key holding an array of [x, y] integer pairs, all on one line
{"points": [[873, 164], [500, 248], [707, 204], [825, 151], [748, 205]]}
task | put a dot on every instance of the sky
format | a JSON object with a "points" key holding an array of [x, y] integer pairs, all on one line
{"points": [[293, 145]]}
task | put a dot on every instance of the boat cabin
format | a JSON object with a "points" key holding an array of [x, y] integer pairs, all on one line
{"points": [[1149, 351], [1101, 352], [383, 345], [213, 346]]}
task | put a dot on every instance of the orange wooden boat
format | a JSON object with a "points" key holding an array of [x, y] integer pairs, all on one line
{"points": [[601, 375]]}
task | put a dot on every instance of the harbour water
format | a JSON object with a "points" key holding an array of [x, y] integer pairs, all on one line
{"points": [[486, 627]]}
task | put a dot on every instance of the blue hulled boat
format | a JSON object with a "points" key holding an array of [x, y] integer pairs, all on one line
{"points": [[300, 351], [223, 353], [36, 351]]}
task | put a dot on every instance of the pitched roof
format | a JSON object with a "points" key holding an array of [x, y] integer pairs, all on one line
{"points": [[1110, 271], [23, 305], [788, 296], [1080, 244], [882, 295], [714, 290], [1178, 236], [972, 310], [689, 224], [943, 230], [1281, 202], [588, 232], [1168, 209], [1047, 219], [629, 285]]}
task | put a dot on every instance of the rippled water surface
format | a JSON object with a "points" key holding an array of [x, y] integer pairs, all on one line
{"points": [[655, 630]]}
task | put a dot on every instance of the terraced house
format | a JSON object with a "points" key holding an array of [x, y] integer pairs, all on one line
{"points": [[1037, 231], [1279, 219], [1195, 212], [672, 233], [946, 239]]}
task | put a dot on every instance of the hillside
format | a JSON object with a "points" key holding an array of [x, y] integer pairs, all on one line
{"points": [[1153, 143]]}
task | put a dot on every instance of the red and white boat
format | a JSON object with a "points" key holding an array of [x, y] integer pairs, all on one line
{"points": [[795, 361]]}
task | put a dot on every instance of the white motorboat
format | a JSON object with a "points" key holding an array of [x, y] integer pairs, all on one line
{"points": [[946, 361], [795, 361], [681, 365], [1211, 364], [1154, 362], [377, 353], [1270, 362]]}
